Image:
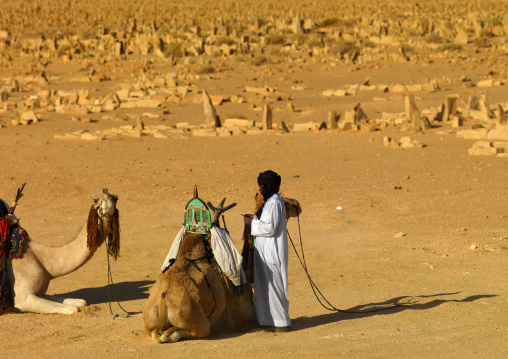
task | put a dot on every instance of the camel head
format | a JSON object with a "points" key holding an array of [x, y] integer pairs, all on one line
{"points": [[105, 204], [220, 209], [103, 222], [293, 208]]}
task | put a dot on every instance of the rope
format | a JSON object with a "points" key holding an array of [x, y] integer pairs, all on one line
{"points": [[111, 288], [315, 289]]}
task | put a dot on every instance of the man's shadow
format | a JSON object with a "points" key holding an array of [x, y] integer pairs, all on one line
{"points": [[391, 306], [121, 292]]}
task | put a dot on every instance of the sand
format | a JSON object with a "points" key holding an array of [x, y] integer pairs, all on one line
{"points": [[379, 225]]}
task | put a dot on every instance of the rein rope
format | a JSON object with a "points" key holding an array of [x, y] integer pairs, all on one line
{"points": [[111, 288], [321, 298]]}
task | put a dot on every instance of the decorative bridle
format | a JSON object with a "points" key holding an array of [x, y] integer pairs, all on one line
{"points": [[101, 204]]}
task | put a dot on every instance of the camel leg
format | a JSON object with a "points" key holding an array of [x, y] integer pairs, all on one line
{"points": [[35, 304], [175, 334], [69, 301], [171, 335]]}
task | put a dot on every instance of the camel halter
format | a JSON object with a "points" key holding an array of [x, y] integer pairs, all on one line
{"points": [[112, 242]]}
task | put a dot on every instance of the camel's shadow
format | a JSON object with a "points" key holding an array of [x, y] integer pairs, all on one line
{"points": [[391, 306], [121, 292]]}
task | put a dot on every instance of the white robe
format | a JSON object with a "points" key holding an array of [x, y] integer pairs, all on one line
{"points": [[271, 264], [228, 257]]}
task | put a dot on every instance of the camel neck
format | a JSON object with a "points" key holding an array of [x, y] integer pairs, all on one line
{"points": [[62, 260]]}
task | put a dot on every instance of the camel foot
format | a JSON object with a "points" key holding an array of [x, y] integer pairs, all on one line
{"points": [[171, 335], [68, 309], [35, 304], [75, 302]]}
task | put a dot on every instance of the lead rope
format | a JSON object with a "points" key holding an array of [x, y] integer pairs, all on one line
{"points": [[112, 289], [316, 290]]}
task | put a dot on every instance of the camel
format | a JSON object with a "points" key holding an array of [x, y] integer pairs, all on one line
{"points": [[30, 275], [189, 298]]}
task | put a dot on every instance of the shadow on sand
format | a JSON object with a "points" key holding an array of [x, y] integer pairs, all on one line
{"points": [[123, 292], [391, 306]]}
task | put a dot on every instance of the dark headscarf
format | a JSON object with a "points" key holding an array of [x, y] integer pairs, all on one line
{"points": [[4, 209], [271, 184]]}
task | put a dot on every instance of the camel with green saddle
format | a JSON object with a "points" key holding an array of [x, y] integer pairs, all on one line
{"points": [[190, 298]]}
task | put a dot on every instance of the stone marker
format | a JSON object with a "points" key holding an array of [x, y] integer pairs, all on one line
{"points": [[211, 118], [267, 118], [450, 108], [473, 103], [284, 127], [485, 107], [333, 119], [359, 114], [413, 113], [501, 115]]}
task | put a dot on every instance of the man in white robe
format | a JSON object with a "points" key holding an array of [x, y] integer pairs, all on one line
{"points": [[271, 256]]}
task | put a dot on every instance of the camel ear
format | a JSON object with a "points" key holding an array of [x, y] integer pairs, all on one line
{"points": [[95, 198]]}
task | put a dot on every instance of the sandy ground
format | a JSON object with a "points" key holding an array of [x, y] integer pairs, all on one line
{"points": [[442, 199]]}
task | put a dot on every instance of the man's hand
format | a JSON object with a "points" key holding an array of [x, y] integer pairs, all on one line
{"points": [[247, 218]]}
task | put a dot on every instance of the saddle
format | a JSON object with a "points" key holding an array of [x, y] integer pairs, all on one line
{"points": [[11, 245], [198, 220]]}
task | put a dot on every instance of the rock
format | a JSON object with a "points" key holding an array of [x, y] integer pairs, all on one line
{"points": [[456, 121], [204, 132], [89, 137], [149, 103], [158, 134], [488, 83], [484, 148], [341, 93], [306, 126], [238, 122], [29, 116], [461, 38], [497, 134], [406, 142], [235, 130], [72, 109], [478, 134]]}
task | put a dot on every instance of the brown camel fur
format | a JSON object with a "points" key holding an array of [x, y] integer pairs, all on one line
{"points": [[190, 297], [29, 276]]}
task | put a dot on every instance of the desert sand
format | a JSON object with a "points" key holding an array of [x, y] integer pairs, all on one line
{"points": [[420, 221]]}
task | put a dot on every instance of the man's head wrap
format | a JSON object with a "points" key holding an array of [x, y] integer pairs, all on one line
{"points": [[271, 184]]}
